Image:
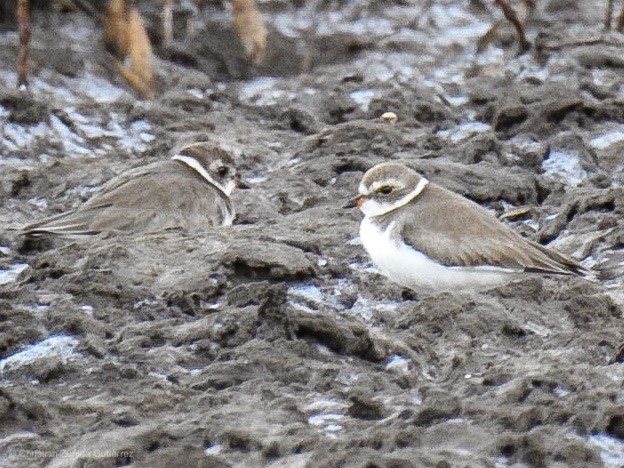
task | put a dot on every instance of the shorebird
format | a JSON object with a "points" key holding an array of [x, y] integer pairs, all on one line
{"points": [[190, 191], [421, 235]]}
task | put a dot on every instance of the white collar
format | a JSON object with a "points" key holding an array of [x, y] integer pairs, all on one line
{"points": [[194, 164]]}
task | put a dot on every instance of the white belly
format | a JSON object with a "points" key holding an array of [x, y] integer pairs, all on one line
{"points": [[412, 269]]}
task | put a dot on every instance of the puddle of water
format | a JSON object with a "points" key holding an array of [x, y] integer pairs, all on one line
{"points": [[324, 418], [15, 138], [39, 202], [539, 330], [325, 414], [564, 165], [363, 98], [347, 378], [10, 275], [98, 89], [72, 142], [561, 391], [333, 428], [606, 140], [294, 160], [60, 346], [363, 308], [464, 131], [328, 405], [457, 100], [196, 93], [77, 137], [160, 376], [398, 363], [14, 161], [213, 449], [364, 267], [611, 450], [256, 179], [464, 35], [263, 92], [310, 298], [82, 191], [130, 137], [532, 224], [327, 423]]}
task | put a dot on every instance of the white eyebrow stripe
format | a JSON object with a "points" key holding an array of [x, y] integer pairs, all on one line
{"points": [[194, 164]]}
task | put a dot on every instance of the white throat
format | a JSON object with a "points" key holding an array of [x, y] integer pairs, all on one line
{"points": [[372, 208], [194, 164]]}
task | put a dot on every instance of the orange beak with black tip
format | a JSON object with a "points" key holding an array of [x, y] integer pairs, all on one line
{"points": [[355, 202]]}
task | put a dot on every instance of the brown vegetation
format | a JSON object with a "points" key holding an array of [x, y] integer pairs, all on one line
{"points": [[126, 38], [250, 28]]}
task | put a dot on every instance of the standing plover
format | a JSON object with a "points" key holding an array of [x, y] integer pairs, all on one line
{"points": [[190, 191], [421, 235]]}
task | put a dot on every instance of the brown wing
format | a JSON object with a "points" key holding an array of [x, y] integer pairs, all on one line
{"points": [[480, 240], [141, 200]]}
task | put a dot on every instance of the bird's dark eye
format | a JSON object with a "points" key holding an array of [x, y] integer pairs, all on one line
{"points": [[385, 189], [222, 171]]}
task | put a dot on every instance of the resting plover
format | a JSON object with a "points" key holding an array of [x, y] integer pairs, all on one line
{"points": [[423, 236], [190, 191]]}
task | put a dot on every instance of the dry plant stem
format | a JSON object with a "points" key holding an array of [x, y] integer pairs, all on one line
{"points": [[511, 16], [619, 25], [584, 42], [250, 28], [115, 34], [167, 22], [23, 24], [127, 39], [608, 15], [85, 6]]}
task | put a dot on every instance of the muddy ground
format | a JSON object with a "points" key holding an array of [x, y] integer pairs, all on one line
{"points": [[275, 342]]}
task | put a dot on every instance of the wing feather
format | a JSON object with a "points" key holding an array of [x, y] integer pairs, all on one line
{"points": [[482, 239], [125, 204]]}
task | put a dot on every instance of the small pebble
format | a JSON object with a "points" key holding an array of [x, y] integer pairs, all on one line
{"points": [[389, 117]]}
